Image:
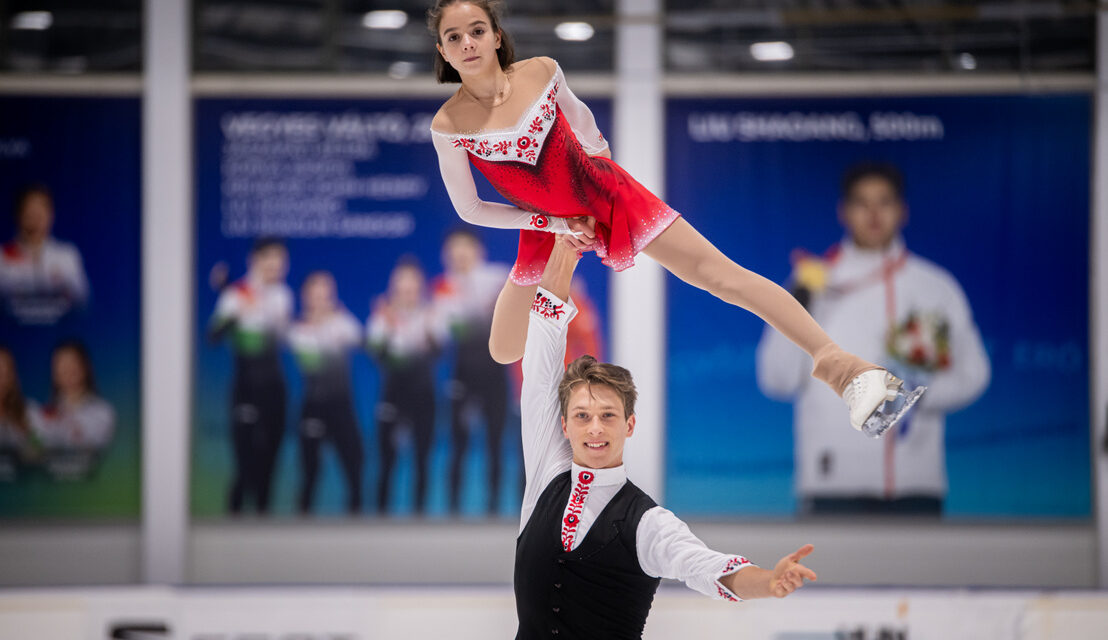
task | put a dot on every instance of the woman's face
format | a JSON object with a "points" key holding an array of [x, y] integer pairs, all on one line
{"points": [[36, 217], [406, 287], [319, 295], [69, 374], [466, 38], [462, 254]]}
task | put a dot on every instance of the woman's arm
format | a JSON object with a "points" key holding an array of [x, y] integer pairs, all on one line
{"points": [[456, 176], [580, 118]]}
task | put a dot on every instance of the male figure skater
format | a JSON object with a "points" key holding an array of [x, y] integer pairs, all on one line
{"points": [[254, 313], [926, 336], [593, 546]]}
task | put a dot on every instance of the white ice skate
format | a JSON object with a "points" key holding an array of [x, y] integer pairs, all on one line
{"points": [[877, 400]]}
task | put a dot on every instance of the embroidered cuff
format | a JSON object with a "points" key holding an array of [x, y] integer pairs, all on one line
{"points": [[734, 564], [549, 307], [553, 224]]}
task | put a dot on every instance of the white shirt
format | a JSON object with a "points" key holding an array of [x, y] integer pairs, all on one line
{"points": [[408, 333], [41, 286], [256, 307], [833, 460], [665, 546], [463, 298], [89, 424]]}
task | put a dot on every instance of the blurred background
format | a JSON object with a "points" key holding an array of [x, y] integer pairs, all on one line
{"points": [[242, 343]]}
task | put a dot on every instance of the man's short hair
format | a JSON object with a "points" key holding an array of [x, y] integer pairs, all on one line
{"points": [[265, 243], [883, 170], [586, 370]]}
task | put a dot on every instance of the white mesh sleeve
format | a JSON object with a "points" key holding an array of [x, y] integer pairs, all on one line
{"points": [[456, 176]]}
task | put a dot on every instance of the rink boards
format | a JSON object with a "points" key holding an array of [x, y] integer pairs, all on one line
{"points": [[264, 613]]}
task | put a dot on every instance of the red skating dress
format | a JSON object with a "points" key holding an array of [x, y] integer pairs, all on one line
{"points": [[543, 167]]}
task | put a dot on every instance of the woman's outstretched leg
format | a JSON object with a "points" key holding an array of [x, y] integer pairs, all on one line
{"points": [[685, 253]]}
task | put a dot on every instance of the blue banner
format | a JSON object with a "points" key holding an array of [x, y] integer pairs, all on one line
{"points": [[69, 286], [351, 193], [996, 190]]}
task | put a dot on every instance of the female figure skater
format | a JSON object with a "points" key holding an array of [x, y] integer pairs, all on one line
{"points": [[405, 337], [20, 418], [522, 127], [78, 425], [322, 341]]}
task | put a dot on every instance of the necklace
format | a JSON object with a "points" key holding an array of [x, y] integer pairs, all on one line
{"points": [[500, 98]]}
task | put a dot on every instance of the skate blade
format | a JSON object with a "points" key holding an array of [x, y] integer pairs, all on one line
{"points": [[891, 412]]}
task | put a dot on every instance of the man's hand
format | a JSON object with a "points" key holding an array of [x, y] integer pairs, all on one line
{"points": [[789, 574], [583, 237]]}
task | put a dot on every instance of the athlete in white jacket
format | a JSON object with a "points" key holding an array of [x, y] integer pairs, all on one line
{"points": [[898, 310]]}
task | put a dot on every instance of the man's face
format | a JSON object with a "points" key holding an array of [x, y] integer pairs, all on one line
{"points": [[872, 213], [596, 427], [36, 218], [462, 253], [270, 264]]}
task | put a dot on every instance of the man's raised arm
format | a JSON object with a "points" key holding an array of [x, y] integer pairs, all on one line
{"points": [[545, 449]]}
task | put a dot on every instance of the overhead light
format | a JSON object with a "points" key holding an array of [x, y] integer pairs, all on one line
{"points": [[388, 19], [574, 31], [32, 20], [771, 51], [401, 69], [967, 61]]}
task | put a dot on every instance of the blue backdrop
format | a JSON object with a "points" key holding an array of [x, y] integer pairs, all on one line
{"points": [[87, 151], [386, 138], [998, 191]]}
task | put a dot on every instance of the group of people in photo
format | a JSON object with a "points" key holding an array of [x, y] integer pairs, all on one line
{"points": [[67, 435], [411, 328], [42, 280]]}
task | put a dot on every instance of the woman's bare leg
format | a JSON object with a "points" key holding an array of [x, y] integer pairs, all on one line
{"points": [[689, 256], [508, 335]]}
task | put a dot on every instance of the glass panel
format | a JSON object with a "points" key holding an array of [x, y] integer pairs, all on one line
{"points": [[70, 36], [383, 37], [833, 35]]}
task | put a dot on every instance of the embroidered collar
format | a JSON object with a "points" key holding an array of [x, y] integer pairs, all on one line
{"points": [[521, 143], [598, 477]]}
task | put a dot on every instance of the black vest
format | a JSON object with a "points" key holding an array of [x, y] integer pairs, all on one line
{"points": [[597, 590]]}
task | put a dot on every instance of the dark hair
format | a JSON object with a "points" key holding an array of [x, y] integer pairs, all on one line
{"points": [[81, 351], [13, 405], [883, 170], [264, 243], [408, 261], [505, 54], [24, 194], [463, 232], [586, 370]]}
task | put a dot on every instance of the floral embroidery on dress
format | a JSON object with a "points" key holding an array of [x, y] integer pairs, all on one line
{"points": [[522, 143]]}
